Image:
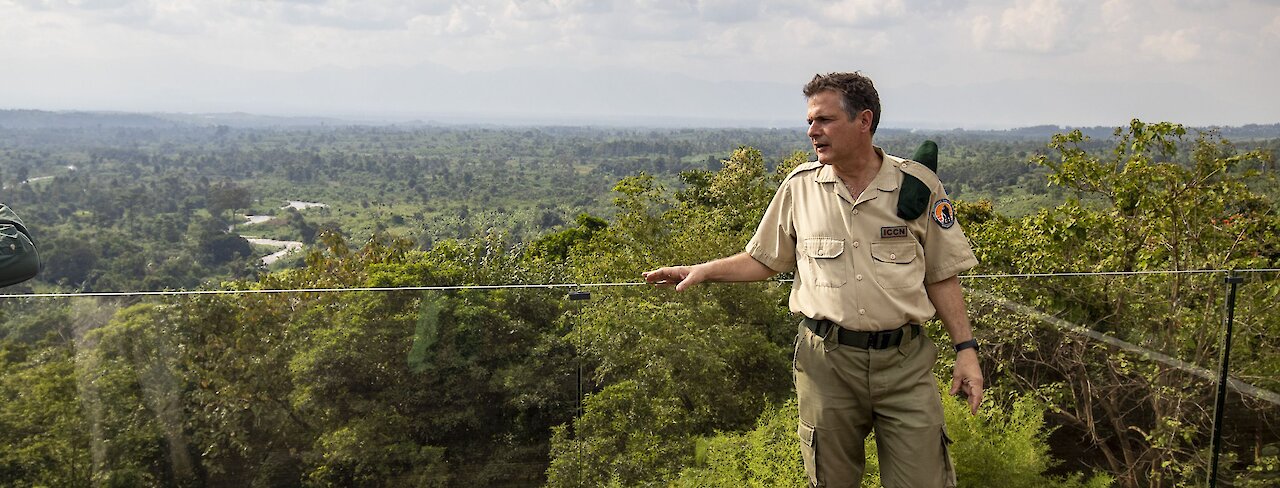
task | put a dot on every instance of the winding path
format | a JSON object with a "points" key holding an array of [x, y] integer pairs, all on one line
{"points": [[286, 247]]}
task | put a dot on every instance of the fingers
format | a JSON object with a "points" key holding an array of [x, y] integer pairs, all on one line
{"points": [[968, 379], [975, 396], [684, 284], [969, 389], [681, 277], [975, 399], [661, 277]]}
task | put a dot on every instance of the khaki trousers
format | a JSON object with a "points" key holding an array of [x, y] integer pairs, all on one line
{"points": [[846, 392]]}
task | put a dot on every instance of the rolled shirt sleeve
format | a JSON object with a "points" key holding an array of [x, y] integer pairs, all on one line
{"points": [[774, 244], [946, 248]]}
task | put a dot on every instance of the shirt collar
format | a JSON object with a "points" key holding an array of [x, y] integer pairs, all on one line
{"points": [[886, 179]]}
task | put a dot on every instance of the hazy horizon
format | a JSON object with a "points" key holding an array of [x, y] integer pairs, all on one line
{"points": [[249, 119]]}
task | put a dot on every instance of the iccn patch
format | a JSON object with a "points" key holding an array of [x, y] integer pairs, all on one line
{"points": [[944, 214], [893, 232]]}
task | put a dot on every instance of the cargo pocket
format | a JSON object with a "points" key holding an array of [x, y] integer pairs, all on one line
{"points": [[822, 259], [808, 451], [948, 467], [896, 265]]}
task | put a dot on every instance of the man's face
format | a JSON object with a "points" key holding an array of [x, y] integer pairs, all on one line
{"points": [[834, 135]]}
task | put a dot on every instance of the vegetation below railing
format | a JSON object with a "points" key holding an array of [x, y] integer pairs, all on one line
{"points": [[481, 387]]}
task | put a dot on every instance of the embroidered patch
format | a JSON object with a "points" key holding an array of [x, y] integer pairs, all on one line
{"points": [[944, 214], [892, 232]]}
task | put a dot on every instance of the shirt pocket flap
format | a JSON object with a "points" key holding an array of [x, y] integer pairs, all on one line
{"points": [[894, 253], [823, 247]]}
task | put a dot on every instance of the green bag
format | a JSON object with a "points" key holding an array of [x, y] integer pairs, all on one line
{"points": [[19, 260]]}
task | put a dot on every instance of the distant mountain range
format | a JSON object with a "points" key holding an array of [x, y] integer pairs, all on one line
{"points": [[42, 119]]}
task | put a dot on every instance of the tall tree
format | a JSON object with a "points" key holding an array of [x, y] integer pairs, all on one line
{"points": [[1155, 202]]}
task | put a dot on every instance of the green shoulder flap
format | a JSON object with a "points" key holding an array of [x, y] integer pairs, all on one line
{"points": [[19, 260], [914, 196]]}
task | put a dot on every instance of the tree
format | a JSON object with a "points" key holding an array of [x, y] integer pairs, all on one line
{"points": [[337, 389], [227, 196], [1154, 202], [672, 368], [76, 259], [208, 239], [42, 427]]}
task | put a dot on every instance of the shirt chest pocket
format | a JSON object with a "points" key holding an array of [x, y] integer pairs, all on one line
{"points": [[825, 261], [897, 264]]}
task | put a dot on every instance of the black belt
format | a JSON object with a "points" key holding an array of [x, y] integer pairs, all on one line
{"points": [[883, 339]]}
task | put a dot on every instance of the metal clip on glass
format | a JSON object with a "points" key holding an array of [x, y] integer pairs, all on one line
{"points": [[579, 295]]}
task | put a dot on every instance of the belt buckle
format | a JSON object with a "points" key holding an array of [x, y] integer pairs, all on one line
{"points": [[881, 339], [885, 338]]}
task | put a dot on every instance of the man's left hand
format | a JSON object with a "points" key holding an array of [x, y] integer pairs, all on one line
{"points": [[968, 379]]}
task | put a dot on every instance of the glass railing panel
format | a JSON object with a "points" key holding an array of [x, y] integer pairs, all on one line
{"points": [[1129, 365], [529, 386]]}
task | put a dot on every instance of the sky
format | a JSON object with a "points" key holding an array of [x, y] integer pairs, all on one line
{"points": [[937, 64]]}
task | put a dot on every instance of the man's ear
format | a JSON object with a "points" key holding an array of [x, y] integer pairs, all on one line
{"points": [[865, 118]]}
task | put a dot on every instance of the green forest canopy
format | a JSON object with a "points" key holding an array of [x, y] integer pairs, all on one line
{"points": [[482, 387]]}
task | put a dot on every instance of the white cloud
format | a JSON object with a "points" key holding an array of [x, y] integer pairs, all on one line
{"points": [[138, 52], [144, 14], [1117, 14], [1172, 46], [1273, 29], [532, 10], [161, 14], [467, 21], [85, 5], [802, 32], [1200, 5], [865, 13], [1030, 26], [730, 11]]}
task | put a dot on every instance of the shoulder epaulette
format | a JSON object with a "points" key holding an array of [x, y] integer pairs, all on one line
{"points": [[803, 167], [913, 198]]}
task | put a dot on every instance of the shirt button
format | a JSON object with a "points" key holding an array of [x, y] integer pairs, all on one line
{"points": [[855, 243], [893, 256], [819, 252], [858, 277], [862, 311], [904, 165], [855, 211]]}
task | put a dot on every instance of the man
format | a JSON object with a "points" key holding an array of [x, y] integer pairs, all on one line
{"points": [[865, 279]]}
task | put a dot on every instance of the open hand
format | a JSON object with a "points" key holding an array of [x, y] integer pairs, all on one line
{"points": [[682, 277]]}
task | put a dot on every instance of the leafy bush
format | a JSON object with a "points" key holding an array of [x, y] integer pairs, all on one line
{"points": [[998, 447]]}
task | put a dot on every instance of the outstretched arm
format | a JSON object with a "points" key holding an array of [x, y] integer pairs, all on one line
{"points": [[738, 267], [948, 299]]}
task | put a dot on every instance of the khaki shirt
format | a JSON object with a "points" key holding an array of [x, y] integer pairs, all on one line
{"points": [[857, 263]]}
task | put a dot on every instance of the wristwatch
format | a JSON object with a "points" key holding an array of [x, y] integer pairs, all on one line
{"points": [[971, 343]]}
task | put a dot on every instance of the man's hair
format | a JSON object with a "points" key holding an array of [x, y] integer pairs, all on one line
{"points": [[857, 93]]}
